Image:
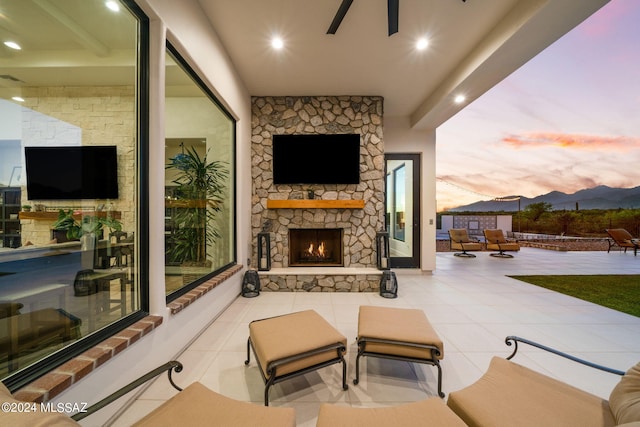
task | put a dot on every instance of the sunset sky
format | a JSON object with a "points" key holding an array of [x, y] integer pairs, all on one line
{"points": [[569, 119]]}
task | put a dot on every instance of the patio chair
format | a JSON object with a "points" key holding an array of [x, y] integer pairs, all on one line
{"points": [[196, 405], [497, 242], [510, 394], [623, 239], [459, 240]]}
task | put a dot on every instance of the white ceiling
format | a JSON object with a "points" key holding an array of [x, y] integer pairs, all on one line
{"points": [[473, 45]]}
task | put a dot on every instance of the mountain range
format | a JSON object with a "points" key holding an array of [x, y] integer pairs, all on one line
{"points": [[600, 197]]}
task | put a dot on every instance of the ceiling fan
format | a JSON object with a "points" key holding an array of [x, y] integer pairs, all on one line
{"points": [[392, 15]]}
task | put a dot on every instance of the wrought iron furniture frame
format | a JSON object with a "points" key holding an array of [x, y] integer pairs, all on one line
{"points": [[272, 367], [169, 367], [514, 340], [435, 353]]}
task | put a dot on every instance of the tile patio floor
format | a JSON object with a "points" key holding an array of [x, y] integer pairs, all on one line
{"points": [[472, 305]]}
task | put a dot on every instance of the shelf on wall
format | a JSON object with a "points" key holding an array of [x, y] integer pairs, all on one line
{"points": [[315, 204], [77, 215]]}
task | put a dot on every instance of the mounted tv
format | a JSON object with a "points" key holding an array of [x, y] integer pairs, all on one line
{"points": [[316, 159], [71, 173]]}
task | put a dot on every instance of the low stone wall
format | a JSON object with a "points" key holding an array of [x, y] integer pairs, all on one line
{"points": [[595, 244], [320, 283]]}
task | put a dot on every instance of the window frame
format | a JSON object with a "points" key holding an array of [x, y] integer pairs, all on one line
{"points": [[45, 365], [182, 62]]}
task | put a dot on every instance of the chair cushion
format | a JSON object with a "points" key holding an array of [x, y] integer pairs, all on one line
{"points": [[291, 335], [429, 412], [459, 235], [405, 325], [503, 246], [466, 246], [625, 397], [197, 405], [509, 394], [31, 419]]}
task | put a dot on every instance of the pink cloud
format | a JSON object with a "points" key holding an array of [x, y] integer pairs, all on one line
{"points": [[604, 21], [573, 141]]}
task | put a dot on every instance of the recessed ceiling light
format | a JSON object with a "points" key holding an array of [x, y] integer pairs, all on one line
{"points": [[12, 45], [17, 98], [422, 44], [113, 5], [459, 99], [277, 43]]}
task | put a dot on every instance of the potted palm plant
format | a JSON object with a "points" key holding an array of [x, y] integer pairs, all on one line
{"points": [[199, 193]]}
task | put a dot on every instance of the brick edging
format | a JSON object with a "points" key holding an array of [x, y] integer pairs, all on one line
{"points": [[179, 304], [64, 376]]}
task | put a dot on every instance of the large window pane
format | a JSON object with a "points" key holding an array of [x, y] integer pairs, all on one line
{"points": [[199, 146], [68, 175]]}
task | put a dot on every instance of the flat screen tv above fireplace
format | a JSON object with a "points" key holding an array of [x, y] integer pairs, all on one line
{"points": [[316, 159]]}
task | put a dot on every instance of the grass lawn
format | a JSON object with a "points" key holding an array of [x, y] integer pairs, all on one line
{"points": [[616, 291]]}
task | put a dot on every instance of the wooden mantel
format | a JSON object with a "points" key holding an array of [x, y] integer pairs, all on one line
{"points": [[315, 204]]}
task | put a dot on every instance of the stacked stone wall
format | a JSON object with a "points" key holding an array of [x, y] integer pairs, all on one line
{"points": [[319, 115], [92, 116]]}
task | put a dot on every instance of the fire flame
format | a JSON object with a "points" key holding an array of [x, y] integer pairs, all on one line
{"points": [[317, 252]]}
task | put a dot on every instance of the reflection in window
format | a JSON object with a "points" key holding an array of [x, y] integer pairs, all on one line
{"points": [[399, 205], [199, 147], [68, 248]]}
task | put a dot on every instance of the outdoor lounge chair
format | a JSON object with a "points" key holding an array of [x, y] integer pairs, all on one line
{"points": [[623, 239], [497, 242], [196, 405], [459, 241], [508, 394]]}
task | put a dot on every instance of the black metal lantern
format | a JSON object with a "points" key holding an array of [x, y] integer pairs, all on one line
{"points": [[250, 284], [382, 250], [264, 251], [388, 285]]}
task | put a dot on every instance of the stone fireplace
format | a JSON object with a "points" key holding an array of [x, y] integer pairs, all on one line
{"points": [[310, 247], [318, 207]]}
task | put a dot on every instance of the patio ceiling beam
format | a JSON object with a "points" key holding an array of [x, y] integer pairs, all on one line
{"points": [[80, 34]]}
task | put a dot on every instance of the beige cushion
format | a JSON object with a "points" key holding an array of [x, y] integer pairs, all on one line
{"points": [[509, 394], [625, 397], [290, 335], [198, 406], [459, 235], [429, 412], [30, 419], [466, 246], [503, 246], [398, 324]]}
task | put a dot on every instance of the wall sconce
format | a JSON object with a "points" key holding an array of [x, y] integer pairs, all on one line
{"points": [[250, 284], [264, 251], [382, 250], [389, 285]]}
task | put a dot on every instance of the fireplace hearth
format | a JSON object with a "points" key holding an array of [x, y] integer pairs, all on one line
{"points": [[319, 247]]}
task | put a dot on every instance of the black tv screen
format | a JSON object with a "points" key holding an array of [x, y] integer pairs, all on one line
{"points": [[316, 159], [71, 173]]}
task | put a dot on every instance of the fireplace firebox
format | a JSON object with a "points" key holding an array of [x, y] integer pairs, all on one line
{"points": [[310, 247]]}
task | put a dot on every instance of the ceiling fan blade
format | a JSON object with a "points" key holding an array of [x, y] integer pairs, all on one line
{"points": [[393, 8], [342, 11]]}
